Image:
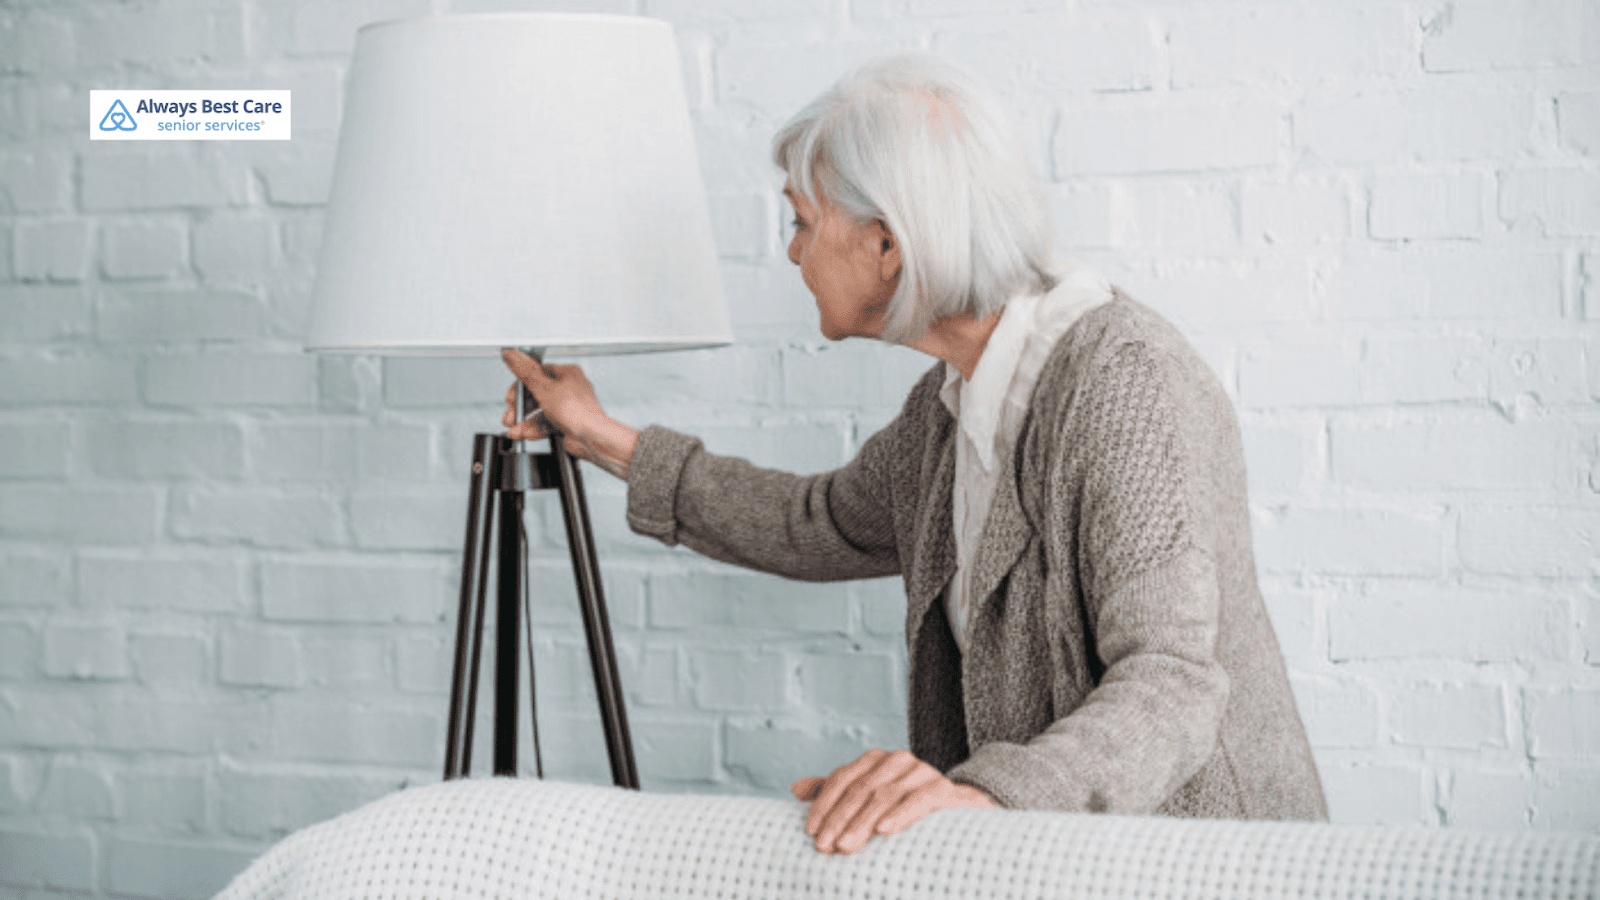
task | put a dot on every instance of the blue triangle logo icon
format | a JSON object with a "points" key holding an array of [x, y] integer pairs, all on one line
{"points": [[118, 118]]}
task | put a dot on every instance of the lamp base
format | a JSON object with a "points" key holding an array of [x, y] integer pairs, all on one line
{"points": [[500, 475]]}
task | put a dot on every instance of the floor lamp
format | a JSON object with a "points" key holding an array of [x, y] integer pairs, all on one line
{"points": [[518, 180]]}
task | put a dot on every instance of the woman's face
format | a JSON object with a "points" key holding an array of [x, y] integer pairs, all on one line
{"points": [[851, 269]]}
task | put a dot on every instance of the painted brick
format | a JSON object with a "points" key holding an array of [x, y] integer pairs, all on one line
{"points": [[1392, 127], [554, 594], [1299, 374], [1107, 51], [13, 798], [801, 448], [423, 664], [61, 380], [1298, 45], [263, 657], [168, 870], [35, 449], [86, 652], [738, 600], [60, 862], [349, 662], [1184, 214], [1488, 800], [1479, 454], [45, 715], [302, 451], [389, 453], [169, 659], [118, 36], [1295, 615], [1411, 205], [1397, 621], [737, 680], [1086, 213], [1294, 213], [298, 175], [1578, 120], [1590, 278], [1427, 370], [1534, 34], [1552, 202], [650, 677], [1373, 794], [410, 520], [849, 375], [676, 750], [1140, 136], [18, 656], [773, 756], [261, 517], [269, 804], [138, 176], [357, 591], [165, 449], [102, 515], [178, 317], [233, 380], [42, 314], [36, 579], [852, 683], [349, 384], [34, 42], [656, 381], [1566, 799], [1548, 371], [1217, 292], [35, 182], [449, 381], [229, 251], [1487, 284], [188, 582], [1276, 454], [768, 77], [1532, 540], [1349, 541], [319, 730], [883, 604], [165, 723], [143, 250], [162, 799], [1337, 713], [1465, 716], [53, 250], [77, 791], [742, 224], [1562, 723]]}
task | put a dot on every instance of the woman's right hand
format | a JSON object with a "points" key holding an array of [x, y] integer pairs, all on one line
{"points": [[567, 402]]}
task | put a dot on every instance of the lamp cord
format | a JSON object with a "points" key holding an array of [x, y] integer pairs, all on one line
{"points": [[527, 621]]}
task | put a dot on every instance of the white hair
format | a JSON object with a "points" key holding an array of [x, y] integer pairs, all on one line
{"points": [[914, 141]]}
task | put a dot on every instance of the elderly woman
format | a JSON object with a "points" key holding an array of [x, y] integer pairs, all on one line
{"points": [[1063, 493]]}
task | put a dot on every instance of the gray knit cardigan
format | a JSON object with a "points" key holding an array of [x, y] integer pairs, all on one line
{"points": [[1119, 657]]}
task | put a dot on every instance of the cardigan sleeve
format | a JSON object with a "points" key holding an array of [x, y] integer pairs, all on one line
{"points": [[1121, 502], [827, 527]]}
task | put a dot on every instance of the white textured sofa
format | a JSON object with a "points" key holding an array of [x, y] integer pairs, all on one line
{"points": [[504, 838]]}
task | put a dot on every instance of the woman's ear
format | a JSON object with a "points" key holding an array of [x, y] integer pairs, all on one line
{"points": [[889, 264]]}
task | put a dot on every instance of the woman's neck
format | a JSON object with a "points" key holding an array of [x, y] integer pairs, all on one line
{"points": [[958, 340]]}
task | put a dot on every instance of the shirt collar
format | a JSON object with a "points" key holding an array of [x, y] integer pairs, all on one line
{"points": [[976, 404]]}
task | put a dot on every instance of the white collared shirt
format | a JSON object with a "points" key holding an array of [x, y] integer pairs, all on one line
{"points": [[990, 409]]}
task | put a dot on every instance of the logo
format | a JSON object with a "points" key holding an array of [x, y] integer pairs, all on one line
{"points": [[118, 118], [189, 115]]}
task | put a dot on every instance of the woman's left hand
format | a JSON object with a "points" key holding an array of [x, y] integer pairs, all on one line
{"points": [[879, 793]]}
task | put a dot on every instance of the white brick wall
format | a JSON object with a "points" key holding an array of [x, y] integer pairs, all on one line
{"points": [[227, 568]]}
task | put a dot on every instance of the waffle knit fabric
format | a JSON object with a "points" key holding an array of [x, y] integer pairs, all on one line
{"points": [[1120, 658], [508, 839]]}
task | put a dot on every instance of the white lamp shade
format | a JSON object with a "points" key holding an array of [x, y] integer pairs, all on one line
{"points": [[523, 180]]}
